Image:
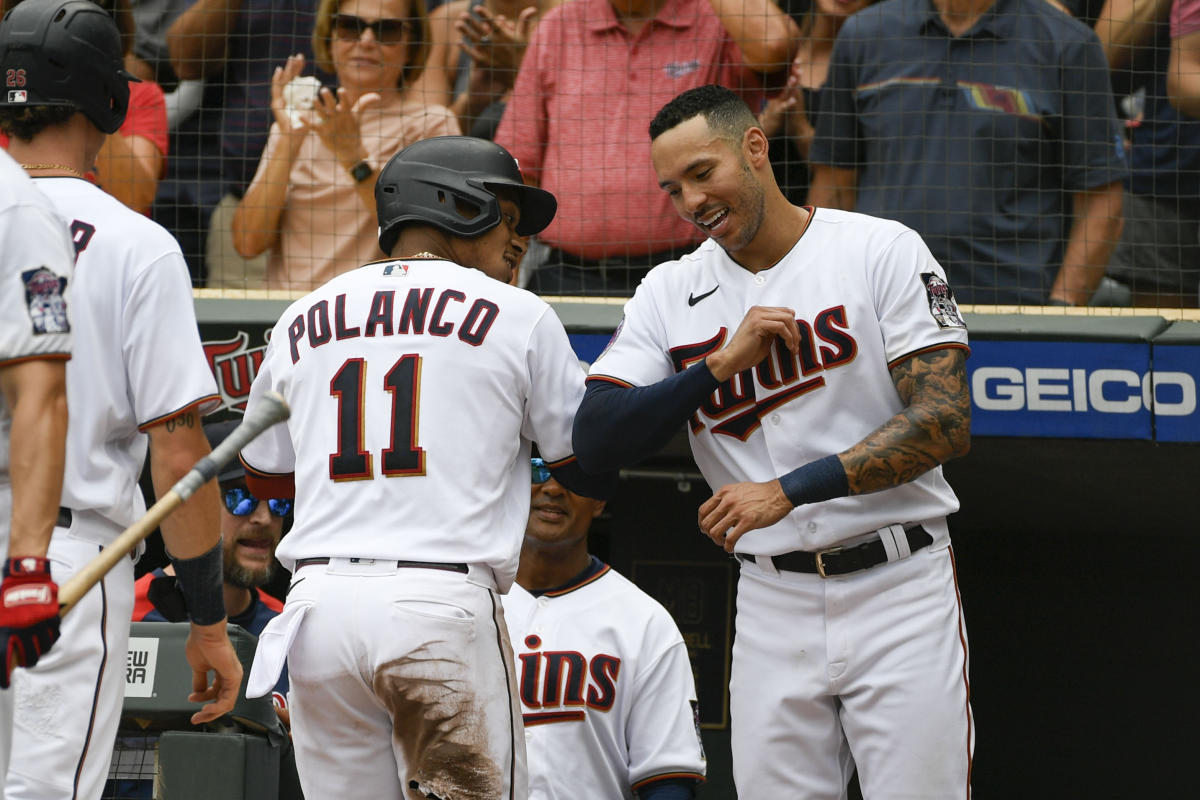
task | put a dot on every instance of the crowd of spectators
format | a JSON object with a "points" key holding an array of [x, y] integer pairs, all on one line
{"points": [[1048, 153]]}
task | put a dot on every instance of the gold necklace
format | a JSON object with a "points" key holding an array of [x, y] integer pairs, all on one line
{"points": [[62, 167], [423, 254]]}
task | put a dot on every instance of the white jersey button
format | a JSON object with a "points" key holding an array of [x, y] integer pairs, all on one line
{"points": [[760, 279], [774, 419]]}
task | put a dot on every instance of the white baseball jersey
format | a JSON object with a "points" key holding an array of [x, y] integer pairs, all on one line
{"points": [[136, 359], [606, 688], [416, 387], [35, 273], [867, 294], [138, 356]]}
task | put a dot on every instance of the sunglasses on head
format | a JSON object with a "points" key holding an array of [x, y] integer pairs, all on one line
{"points": [[541, 472], [241, 503], [387, 31]]}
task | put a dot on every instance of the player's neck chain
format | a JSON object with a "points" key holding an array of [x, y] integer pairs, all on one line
{"points": [[422, 254], [61, 167]]}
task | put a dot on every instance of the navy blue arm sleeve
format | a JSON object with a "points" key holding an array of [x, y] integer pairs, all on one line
{"points": [[617, 425], [672, 789], [599, 486]]}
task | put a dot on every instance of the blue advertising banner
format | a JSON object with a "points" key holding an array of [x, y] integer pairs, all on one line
{"points": [[1175, 377], [1087, 390]]}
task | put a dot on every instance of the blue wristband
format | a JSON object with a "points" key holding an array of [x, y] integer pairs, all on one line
{"points": [[203, 588], [819, 480]]}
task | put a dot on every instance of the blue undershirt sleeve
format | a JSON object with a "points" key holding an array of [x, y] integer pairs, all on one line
{"points": [[673, 789], [617, 425]]}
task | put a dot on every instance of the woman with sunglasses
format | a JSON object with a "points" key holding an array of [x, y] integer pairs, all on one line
{"points": [[312, 201]]}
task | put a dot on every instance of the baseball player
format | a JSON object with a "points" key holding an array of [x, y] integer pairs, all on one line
{"points": [[35, 342], [606, 688], [818, 362], [137, 373], [416, 386]]}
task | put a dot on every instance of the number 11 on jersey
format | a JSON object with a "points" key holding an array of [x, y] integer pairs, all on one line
{"points": [[403, 456]]}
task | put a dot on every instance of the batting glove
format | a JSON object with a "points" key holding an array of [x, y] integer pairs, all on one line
{"points": [[28, 613]]}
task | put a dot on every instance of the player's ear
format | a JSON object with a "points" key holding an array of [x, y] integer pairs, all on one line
{"points": [[755, 146], [598, 507]]}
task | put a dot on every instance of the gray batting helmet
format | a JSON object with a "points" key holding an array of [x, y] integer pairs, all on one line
{"points": [[64, 53], [426, 182]]}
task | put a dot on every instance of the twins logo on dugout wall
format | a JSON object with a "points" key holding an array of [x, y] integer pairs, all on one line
{"points": [[234, 363]]}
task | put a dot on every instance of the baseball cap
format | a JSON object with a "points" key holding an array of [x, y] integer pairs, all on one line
{"points": [[216, 433]]}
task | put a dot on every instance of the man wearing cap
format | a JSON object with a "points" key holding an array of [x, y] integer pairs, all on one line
{"points": [[250, 531]]}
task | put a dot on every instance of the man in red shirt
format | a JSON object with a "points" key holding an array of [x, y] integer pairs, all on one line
{"points": [[595, 73]]}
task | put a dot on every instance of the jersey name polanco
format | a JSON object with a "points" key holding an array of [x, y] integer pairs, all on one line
{"points": [[137, 354], [606, 689], [867, 294], [35, 280], [416, 388]]}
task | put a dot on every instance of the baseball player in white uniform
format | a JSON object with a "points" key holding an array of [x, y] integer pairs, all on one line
{"points": [[138, 372], [606, 687], [416, 387], [817, 359], [35, 343]]}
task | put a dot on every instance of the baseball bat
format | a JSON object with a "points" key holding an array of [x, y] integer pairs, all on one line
{"points": [[273, 409]]}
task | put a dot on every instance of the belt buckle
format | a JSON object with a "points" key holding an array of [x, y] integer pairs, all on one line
{"points": [[820, 557]]}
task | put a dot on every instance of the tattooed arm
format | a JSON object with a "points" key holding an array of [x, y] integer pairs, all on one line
{"points": [[932, 428]]}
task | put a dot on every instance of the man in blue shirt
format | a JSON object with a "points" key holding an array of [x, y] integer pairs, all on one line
{"points": [[989, 127]]}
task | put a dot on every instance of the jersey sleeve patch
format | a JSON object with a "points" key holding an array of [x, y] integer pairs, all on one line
{"points": [[942, 305], [47, 305]]}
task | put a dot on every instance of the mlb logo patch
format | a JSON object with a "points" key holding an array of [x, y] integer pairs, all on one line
{"points": [[396, 270], [18, 96], [941, 301], [44, 297]]}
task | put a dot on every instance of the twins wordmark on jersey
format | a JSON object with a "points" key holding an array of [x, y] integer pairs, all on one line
{"points": [[825, 344], [606, 688]]}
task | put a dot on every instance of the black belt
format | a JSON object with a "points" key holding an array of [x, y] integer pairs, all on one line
{"points": [[442, 565], [841, 560], [64, 518]]}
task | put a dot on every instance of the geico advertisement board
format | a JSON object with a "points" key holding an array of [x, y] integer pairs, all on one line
{"points": [[1060, 389], [1089, 390]]}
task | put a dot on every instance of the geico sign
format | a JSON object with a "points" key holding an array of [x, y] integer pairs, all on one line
{"points": [[1111, 391]]}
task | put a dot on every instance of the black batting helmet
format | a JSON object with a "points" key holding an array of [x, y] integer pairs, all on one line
{"points": [[426, 182], [64, 53]]}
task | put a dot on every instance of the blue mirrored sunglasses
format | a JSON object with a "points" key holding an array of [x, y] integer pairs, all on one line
{"points": [[541, 472], [241, 503]]}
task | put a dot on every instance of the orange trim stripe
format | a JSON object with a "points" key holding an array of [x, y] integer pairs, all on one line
{"points": [[667, 776], [962, 638], [580, 585], [547, 717], [56, 356], [203, 401], [610, 379], [930, 349]]}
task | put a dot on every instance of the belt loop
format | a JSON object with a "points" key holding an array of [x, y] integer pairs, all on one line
{"points": [[901, 540], [891, 542], [766, 564]]}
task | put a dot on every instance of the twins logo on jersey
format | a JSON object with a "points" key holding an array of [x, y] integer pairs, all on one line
{"points": [[941, 301], [44, 296], [825, 344], [556, 686]]}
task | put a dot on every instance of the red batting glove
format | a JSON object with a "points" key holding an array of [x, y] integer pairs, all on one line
{"points": [[28, 613]]}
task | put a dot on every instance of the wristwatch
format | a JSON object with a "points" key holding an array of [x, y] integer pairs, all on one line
{"points": [[361, 171]]}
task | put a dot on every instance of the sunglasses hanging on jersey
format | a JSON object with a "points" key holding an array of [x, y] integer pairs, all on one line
{"points": [[241, 503]]}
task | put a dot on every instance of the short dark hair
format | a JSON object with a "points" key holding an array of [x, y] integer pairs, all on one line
{"points": [[26, 123], [724, 111]]}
